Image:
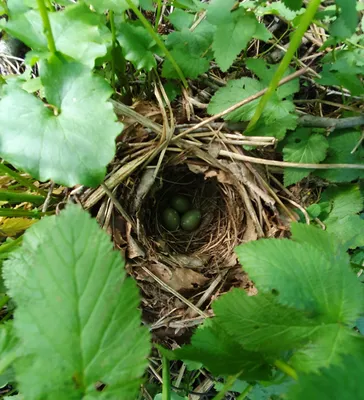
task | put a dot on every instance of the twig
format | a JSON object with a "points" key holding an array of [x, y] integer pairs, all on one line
{"points": [[331, 123], [48, 198], [255, 160]]}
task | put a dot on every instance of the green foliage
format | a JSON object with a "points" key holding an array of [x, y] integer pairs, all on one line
{"points": [[342, 219], [293, 4], [118, 6], [137, 46], [76, 313], [70, 141], [233, 32], [77, 31], [307, 303], [303, 147], [278, 116], [342, 381], [341, 146], [347, 20]]}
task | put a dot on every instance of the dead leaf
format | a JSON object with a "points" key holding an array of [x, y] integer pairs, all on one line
{"points": [[250, 232], [12, 226], [179, 279], [134, 250], [185, 261], [197, 169], [220, 175]]}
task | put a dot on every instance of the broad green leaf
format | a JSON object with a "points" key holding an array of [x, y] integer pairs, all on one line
{"points": [[70, 146], [136, 44], [232, 36], [147, 5], [222, 354], [347, 21], [76, 316], [281, 9], [304, 277], [219, 11], [343, 221], [118, 6], [195, 44], [181, 19], [344, 69], [277, 116], [303, 147], [259, 324], [77, 31], [341, 144], [293, 4], [343, 381]]}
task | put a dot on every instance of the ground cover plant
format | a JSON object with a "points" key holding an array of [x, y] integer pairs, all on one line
{"points": [[181, 199]]}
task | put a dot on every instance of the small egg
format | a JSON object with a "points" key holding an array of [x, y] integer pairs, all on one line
{"points": [[191, 220], [171, 219], [180, 203]]}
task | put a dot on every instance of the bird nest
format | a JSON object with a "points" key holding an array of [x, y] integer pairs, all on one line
{"points": [[179, 272]]}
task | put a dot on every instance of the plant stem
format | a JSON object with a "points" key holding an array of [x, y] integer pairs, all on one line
{"points": [[287, 369], [306, 19], [9, 212], [166, 392], [159, 42], [245, 392], [113, 33], [158, 15], [18, 197], [23, 181], [229, 383], [7, 247], [47, 29]]}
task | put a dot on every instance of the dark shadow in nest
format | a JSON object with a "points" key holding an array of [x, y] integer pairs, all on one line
{"points": [[204, 195]]}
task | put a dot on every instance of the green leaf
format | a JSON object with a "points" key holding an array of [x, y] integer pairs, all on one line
{"points": [[76, 316], [341, 144], [118, 6], [343, 221], [347, 21], [232, 37], [181, 19], [304, 277], [70, 148], [8, 347], [278, 114], [147, 5], [222, 354], [77, 31], [281, 9], [219, 11], [343, 381], [303, 147], [293, 4], [136, 44], [195, 44]]}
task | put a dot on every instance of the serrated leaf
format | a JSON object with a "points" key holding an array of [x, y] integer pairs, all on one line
{"points": [[341, 144], [281, 9], [343, 381], [347, 21], [76, 313], [303, 147], [258, 323], [304, 277], [77, 31], [118, 6], [277, 116], [222, 354], [181, 19], [136, 44], [189, 51], [70, 148], [293, 4], [232, 37], [219, 11]]}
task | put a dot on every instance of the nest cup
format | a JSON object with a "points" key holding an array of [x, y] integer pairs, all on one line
{"points": [[222, 215]]}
